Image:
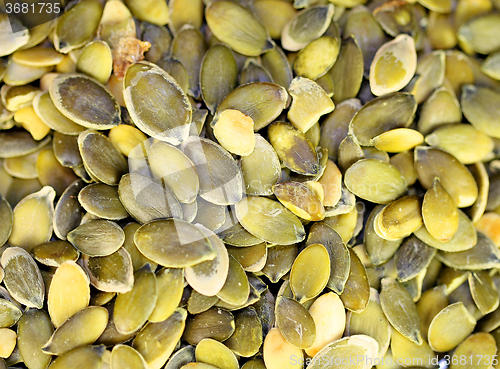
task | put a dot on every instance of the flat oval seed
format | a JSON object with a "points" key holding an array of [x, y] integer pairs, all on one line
{"points": [[11, 41], [440, 108], [277, 351], [412, 257], [234, 131], [295, 323], [310, 272], [126, 138], [269, 221], [88, 357], [15, 143], [484, 292], [400, 309], [96, 61], [321, 233], [356, 293], [97, 237], [398, 140], [215, 353], [382, 114], [102, 200], [66, 151], [170, 125], [173, 243], [52, 173], [170, 286], [178, 172], [22, 277], [157, 341], [64, 300], [37, 207], [251, 258], [399, 219], [218, 76], [454, 176], [22, 166], [393, 66], [450, 327], [480, 107], [478, 33], [133, 308], [83, 328], [52, 117], [317, 57], [354, 346], [125, 357], [33, 331], [85, 101], [68, 212], [361, 176], [218, 173], [7, 342], [306, 26], [238, 28], [209, 277], [9, 313], [371, 322], [329, 318], [476, 346], [439, 213], [111, 273], [247, 337], [213, 323], [107, 168], [236, 288], [402, 347], [300, 200], [261, 101]]}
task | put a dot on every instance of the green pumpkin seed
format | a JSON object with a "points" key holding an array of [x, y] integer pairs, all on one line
{"points": [[111, 273], [33, 331], [126, 357], [491, 66], [198, 303], [81, 329], [400, 310], [477, 33], [253, 72], [96, 61], [170, 286], [402, 347], [372, 119], [306, 26], [6, 220], [68, 212], [84, 101], [356, 293], [9, 313], [97, 237], [88, 357], [236, 289], [440, 108], [166, 93], [132, 309], [450, 327], [430, 68], [219, 175], [295, 323], [412, 257], [360, 177], [146, 199], [111, 336], [245, 36], [261, 101], [214, 323], [269, 221], [66, 150], [180, 358], [399, 219], [247, 337], [251, 258], [483, 291], [22, 166], [454, 176], [218, 76], [300, 200], [274, 60], [126, 138], [106, 168], [52, 173], [479, 106], [294, 149], [215, 353], [17, 143], [476, 344], [103, 201], [430, 304], [63, 299], [317, 57], [18, 74], [173, 243], [209, 215], [11, 41]]}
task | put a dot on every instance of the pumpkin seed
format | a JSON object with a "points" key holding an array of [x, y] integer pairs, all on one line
{"points": [[295, 323], [125, 138], [475, 344], [236, 289], [66, 150], [126, 357], [476, 33], [234, 131], [412, 257], [450, 327], [393, 65], [479, 107], [170, 285], [33, 331], [81, 329], [400, 310], [6, 219], [279, 261], [269, 221], [64, 300], [483, 291], [277, 351], [210, 351], [87, 356], [247, 337], [402, 347], [274, 60], [300, 200], [182, 357], [133, 308], [97, 237], [246, 36], [356, 293], [213, 323], [167, 93], [430, 68], [252, 72], [399, 219], [398, 140], [68, 212], [173, 243], [103, 201], [110, 273]]}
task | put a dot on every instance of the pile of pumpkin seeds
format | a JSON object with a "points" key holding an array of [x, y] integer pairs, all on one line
{"points": [[251, 184]]}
